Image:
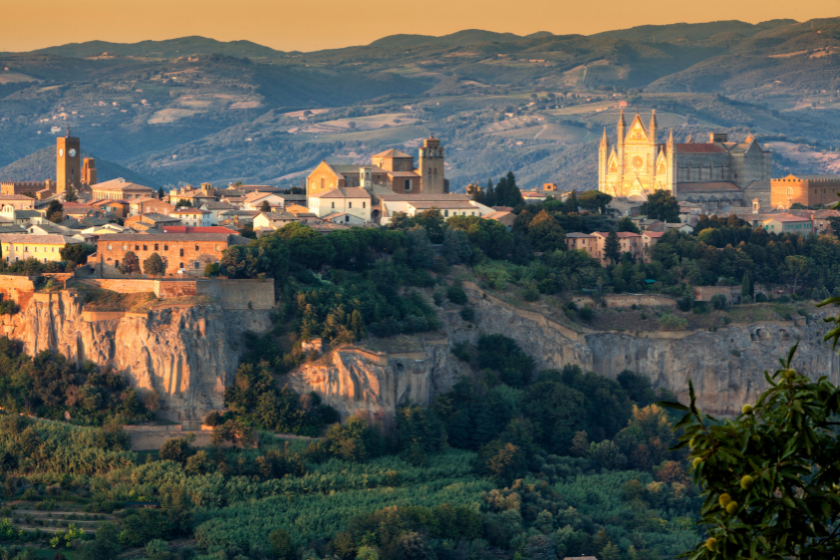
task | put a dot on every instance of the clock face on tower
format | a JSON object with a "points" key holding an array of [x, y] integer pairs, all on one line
{"points": [[61, 152], [71, 152]]}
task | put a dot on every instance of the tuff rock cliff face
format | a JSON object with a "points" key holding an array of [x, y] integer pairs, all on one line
{"points": [[187, 354], [726, 366]]}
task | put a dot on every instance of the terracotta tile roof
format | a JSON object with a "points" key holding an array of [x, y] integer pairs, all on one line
{"points": [[577, 235], [346, 192], [16, 197], [392, 154], [186, 211], [144, 237], [788, 218], [120, 185], [48, 239], [418, 197], [621, 234], [442, 204], [198, 229]]}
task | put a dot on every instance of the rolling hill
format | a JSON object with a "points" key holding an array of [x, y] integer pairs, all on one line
{"points": [[532, 104]]}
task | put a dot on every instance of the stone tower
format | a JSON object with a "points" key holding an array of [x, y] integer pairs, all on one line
{"points": [[431, 167], [68, 160], [89, 172]]}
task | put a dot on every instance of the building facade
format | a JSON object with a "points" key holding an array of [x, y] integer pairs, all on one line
{"points": [[43, 248], [716, 174], [187, 253], [390, 171], [807, 190]]}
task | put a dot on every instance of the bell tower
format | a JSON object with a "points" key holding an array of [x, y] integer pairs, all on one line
{"points": [[68, 162], [431, 167]]}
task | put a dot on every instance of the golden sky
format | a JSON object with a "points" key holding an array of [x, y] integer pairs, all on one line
{"points": [[308, 25]]}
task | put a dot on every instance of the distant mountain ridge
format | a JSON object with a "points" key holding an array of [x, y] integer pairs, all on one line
{"points": [[460, 39], [170, 48], [40, 166]]}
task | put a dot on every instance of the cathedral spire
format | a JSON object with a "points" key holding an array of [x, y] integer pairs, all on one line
{"points": [[671, 138], [604, 141], [621, 126], [653, 127]]}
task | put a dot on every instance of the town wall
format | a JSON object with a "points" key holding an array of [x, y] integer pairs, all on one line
{"points": [[120, 285], [239, 294], [20, 289]]}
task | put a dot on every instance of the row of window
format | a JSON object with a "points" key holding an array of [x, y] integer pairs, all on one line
{"points": [[350, 204], [18, 258], [125, 247], [117, 263], [34, 249]]}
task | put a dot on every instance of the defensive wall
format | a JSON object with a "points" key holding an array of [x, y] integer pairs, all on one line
{"points": [[232, 295], [19, 289]]}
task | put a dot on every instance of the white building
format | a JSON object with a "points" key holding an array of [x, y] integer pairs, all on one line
{"points": [[452, 204], [194, 217], [355, 201]]}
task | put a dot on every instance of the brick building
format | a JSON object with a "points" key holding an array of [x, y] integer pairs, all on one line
{"points": [[186, 252], [807, 190]]}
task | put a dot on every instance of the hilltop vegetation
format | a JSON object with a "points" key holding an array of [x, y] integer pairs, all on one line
{"points": [[199, 110]]}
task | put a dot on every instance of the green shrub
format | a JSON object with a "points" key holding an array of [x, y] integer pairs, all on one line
{"points": [[761, 298], [462, 351], [586, 313], [468, 314], [668, 322], [735, 352], [456, 294], [719, 302], [530, 293]]}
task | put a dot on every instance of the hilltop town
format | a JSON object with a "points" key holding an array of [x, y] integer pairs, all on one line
{"points": [[383, 356]]}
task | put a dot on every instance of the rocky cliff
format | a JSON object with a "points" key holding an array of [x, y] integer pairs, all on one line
{"points": [[727, 366], [187, 354]]}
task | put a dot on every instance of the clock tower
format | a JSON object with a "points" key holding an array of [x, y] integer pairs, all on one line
{"points": [[68, 158]]}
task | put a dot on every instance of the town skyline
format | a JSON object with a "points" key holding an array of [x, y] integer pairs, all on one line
{"points": [[290, 27]]}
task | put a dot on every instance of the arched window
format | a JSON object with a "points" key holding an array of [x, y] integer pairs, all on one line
{"points": [[180, 265]]}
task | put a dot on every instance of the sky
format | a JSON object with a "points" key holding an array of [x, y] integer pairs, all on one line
{"points": [[308, 25]]}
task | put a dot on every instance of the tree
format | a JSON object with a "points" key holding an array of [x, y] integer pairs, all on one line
{"points": [[176, 449], [594, 200], [265, 206], [747, 289], [70, 194], [661, 205], [76, 253], [105, 546], [161, 193], [612, 247], [797, 265], [769, 475], [456, 246], [130, 264], [154, 265], [55, 212], [282, 545], [183, 203], [570, 205], [626, 224], [545, 234]]}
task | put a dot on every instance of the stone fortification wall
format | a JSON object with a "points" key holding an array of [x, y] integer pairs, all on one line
{"points": [[231, 294], [120, 285], [240, 294], [19, 289]]}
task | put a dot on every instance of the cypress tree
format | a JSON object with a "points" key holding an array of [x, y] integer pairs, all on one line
{"points": [[747, 288], [612, 248]]}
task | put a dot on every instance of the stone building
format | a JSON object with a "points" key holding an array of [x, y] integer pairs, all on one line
{"points": [[120, 189], [188, 253], [716, 174], [390, 171], [807, 190]]}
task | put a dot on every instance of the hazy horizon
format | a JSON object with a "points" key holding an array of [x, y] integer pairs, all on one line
{"points": [[340, 25]]}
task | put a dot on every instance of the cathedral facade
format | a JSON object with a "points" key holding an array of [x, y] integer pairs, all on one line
{"points": [[716, 174]]}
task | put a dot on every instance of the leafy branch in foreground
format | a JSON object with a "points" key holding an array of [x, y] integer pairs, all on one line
{"points": [[770, 476]]}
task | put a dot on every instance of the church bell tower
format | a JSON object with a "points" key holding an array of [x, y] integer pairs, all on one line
{"points": [[68, 162], [431, 167]]}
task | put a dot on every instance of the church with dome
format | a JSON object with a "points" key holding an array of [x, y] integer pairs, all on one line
{"points": [[716, 174]]}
